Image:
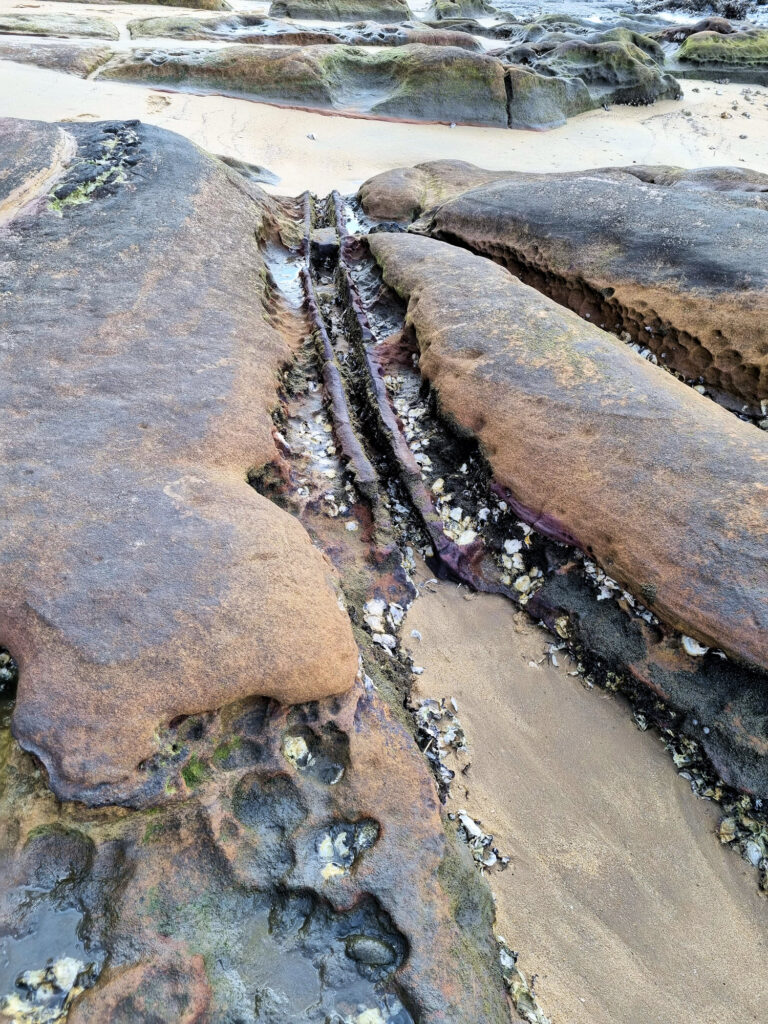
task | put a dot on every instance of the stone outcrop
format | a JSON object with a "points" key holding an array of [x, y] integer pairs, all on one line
{"points": [[741, 56], [57, 25], [680, 263], [404, 193], [414, 82], [444, 10], [252, 28], [663, 488], [143, 579], [70, 58], [544, 101], [199, 5], [619, 67], [342, 10], [299, 873]]}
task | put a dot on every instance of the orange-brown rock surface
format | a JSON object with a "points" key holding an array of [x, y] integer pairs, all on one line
{"points": [[141, 577], [300, 873], [678, 259], [668, 491]]}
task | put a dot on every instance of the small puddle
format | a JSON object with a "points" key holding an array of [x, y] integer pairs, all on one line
{"points": [[285, 268], [44, 963]]}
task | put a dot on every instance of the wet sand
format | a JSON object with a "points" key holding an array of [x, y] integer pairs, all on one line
{"points": [[322, 152], [618, 895]]}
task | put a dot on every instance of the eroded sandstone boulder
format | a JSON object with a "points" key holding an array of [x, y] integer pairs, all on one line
{"points": [[142, 577], [200, 5], [70, 58], [544, 101], [432, 83], [445, 10], [681, 265], [342, 10], [57, 25], [741, 56], [666, 490], [250, 28], [404, 193]]}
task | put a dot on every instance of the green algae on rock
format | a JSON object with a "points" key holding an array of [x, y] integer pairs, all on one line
{"points": [[144, 578], [251, 28], [542, 101], [613, 71], [342, 10], [443, 10], [741, 56]]}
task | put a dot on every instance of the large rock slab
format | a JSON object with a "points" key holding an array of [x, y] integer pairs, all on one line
{"points": [[611, 68], [405, 192], [666, 490], [413, 82], [57, 25], [342, 10], [141, 577], [200, 5], [253, 28], [739, 55], [71, 58], [542, 102], [681, 264]]}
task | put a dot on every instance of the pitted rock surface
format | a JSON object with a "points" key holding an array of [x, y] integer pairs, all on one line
{"points": [[667, 490], [264, 890], [142, 578], [681, 266]]}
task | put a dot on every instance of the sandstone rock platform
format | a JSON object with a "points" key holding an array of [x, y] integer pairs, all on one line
{"points": [[142, 577], [664, 489]]}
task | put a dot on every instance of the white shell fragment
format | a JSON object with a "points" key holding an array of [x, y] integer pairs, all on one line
{"points": [[693, 647]]}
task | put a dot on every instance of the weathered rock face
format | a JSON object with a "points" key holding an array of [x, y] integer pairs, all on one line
{"points": [[665, 489], [200, 5], [740, 55], [142, 578], [680, 265], [404, 193], [71, 58], [442, 10], [434, 83], [57, 25], [542, 102], [31, 163], [249, 28], [614, 67], [718, 179], [300, 875], [342, 10]]}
